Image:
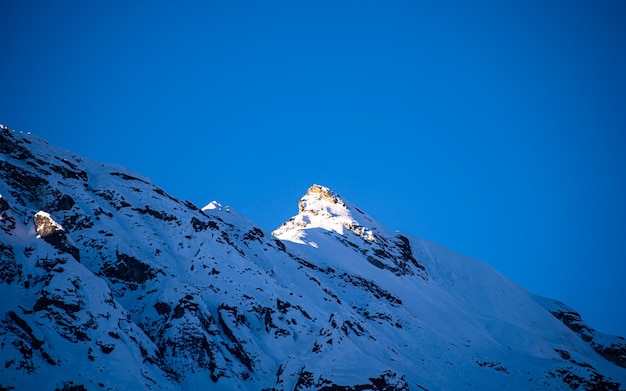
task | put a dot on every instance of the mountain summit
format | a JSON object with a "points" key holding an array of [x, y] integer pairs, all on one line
{"points": [[112, 283], [322, 213], [321, 207]]}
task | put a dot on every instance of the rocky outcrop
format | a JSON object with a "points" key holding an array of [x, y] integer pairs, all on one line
{"points": [[52, 232], [611, 348], [387, 381]]}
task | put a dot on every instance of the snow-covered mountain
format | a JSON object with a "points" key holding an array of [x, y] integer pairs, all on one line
{"points": [[109, 282]]}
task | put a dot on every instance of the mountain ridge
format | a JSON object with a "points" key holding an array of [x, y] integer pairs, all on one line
{"points": [[189, 298]]}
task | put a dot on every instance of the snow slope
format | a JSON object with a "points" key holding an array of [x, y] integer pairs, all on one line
{"points": [[112, 283]]}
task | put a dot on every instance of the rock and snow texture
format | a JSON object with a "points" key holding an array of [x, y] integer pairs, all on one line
{"points": [[109, 282], [323, 213]]}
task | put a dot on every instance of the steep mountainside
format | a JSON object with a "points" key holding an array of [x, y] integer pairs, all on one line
{"points": [[111, 283]]}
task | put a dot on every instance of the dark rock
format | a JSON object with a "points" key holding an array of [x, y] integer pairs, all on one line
{"points": [[28, 251], [53, 234], [76, 172], [614, 353], [21, 323], [376, 262], [225, 238], [23, 185], [254, 234], [564, 354], [113, 334], [9, 270], [224, 313], [192, 345], [387, 381], [10, 147], [45, 301], [305, 380], [199, 225], [496, 365], [164, 194], [70, 386], [77, 222], [572, 320], [104, 347], [61, 242], [349, 327], [371, 287], [407, 253], [161, 215], [65, 202], [129, 269], [595, 381], [4, 204], [190, 205], [99, 211], [115, 199], [69, 173], [306, 264], [162, 308], [128, 177], [281, 245], [267, 319], [282, 306]]}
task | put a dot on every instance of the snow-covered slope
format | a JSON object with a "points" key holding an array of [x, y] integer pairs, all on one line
{"points": [[111, 283]]}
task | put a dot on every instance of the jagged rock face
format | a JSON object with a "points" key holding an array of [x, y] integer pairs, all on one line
{"points": [[46, 226], [54, 234], [127, 287]]}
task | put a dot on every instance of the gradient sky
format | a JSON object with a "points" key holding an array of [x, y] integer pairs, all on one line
{"points": [[496, 128]]}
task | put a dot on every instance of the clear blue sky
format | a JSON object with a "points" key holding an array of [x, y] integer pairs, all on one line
{"points": [[497, 129]]}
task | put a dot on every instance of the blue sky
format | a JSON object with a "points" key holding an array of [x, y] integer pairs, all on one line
{"points": [[497, 129]]}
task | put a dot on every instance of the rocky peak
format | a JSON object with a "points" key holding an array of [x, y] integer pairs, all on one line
{"points": [[322, 208], [320, 199], [46, 226]]}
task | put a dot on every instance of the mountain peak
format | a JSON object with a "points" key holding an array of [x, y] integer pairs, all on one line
{"points": [[323, 208], [320, 199]]}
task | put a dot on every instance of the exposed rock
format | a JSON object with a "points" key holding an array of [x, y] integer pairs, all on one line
{"points": [[128, 268], [199, 225], [65, 202], [254, 234], [53, 233], [46, 226], [320, 192], [4, 204], [23, 185], [387, 381], [69, 171], [228, 318], [161, 215], [371, 287], [9, 270], [591, 381], [9, 146], [162, 308], [128, 177], [615, 352]]}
